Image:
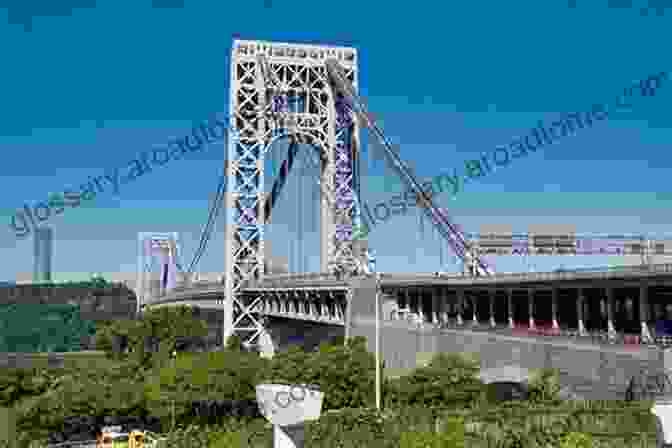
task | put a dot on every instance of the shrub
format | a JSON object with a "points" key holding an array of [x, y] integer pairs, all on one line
{"points": [[449, 380], [233, 434], [17, 384], [544, 386], [234, 343], [154, 335], [345, 374], [107, 389], [224, 376], [576, 440], [430, 440], [450, 436]]}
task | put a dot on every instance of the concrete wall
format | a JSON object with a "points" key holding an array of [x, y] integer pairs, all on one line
{"points": [[594, 372]]}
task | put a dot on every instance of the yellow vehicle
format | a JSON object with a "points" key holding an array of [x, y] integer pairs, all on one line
{"points": [[136, 439]]}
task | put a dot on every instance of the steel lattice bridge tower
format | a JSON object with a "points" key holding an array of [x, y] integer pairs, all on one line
{"points": [[163, 247], [308, 95], [283, 91]]}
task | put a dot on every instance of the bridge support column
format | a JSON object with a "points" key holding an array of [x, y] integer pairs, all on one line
{"points": [[644, 311], [324, 311], [611, 330], [420, 297], [554, 307], [530, 308], [509, 306], [580, 305], [491, 297], [414, 304], [315, 307], [460, 306], [474, 319], [436, 313], [407, 295], [444, 304]]}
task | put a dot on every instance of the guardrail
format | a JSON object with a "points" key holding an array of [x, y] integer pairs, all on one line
{"points": [[306, 276], [602, 272]]}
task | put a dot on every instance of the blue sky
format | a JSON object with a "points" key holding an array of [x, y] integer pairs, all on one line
{"points": [[85, 89]]}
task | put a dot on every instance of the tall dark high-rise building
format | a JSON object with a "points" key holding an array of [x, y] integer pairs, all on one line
{"points": [[44, 241]]}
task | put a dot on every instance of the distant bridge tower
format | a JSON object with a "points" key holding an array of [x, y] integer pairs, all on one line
{"points": [[158, 264], [265, 79]]}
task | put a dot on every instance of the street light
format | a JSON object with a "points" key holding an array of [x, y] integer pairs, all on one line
{"points": [[377, 341], [372, 268], [173, 355]]}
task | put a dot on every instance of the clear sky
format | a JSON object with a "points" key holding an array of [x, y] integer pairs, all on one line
{"points": [[89, 85]]}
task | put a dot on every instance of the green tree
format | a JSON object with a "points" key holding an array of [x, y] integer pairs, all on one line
{"points": [[344, 373], [154, 334]]}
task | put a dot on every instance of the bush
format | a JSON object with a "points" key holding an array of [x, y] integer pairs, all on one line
{"points": [[430, 440], [17, 384], [576, 440], [449, 380], [234, 343], [107, 389], [544, 386], [192, 377], [450, 436], [233, 434], [153, 336], [345, 374]]}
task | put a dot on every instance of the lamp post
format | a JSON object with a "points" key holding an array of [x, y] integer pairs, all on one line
{"points": [[377, 341], [372, 269], [173, 355]]}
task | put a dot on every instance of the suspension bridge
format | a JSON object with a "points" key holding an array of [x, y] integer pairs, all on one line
{"points": [[307, 97]]}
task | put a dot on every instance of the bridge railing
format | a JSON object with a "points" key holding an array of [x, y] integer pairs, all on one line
{"points": [[304, 276], [665, 268]]}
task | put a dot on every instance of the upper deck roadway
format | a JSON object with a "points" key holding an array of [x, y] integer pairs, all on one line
{"points": [[594, 366], [318, 281]]}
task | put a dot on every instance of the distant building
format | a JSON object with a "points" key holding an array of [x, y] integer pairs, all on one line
{"points": [[44, 241]]}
